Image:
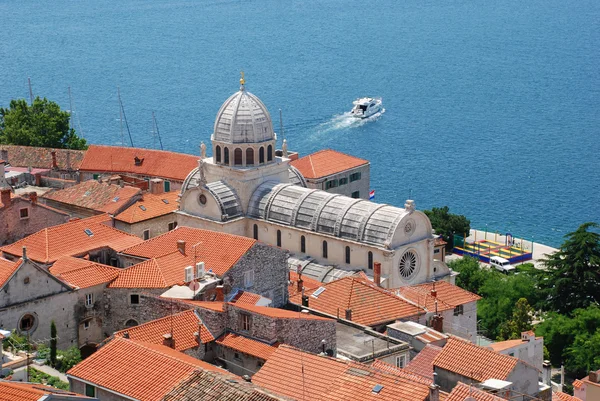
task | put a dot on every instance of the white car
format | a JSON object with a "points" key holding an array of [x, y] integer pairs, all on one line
{"points": [[501, 264]]}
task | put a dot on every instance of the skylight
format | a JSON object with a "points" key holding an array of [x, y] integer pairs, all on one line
{"points": [[88, 232], [318, 292], [377, 388], [143, 207], [116, 199], [166, 201]]}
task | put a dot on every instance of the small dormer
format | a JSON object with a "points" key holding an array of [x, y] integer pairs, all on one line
{"points": [[137, 161]]}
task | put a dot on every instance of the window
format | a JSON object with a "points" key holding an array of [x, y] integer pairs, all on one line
{"points": [[131, 323], [245, 322], [89, 299], [218, 153], [27, 322], [86, 325], [167, 186], [202, 199], [458, 310], [134, 299], [343, 181], [370, 260], [236, 356], [172, 225], [354, 177], [325, 249], [348, 254], [255, 232], [436, 250], [24, 213], [248, 278], [279, 238], [261, 155], [400, 361], [146, 235], [356, 194], [259, 364], [226, 156], [26, 280], [90, 391], [331, 184], [303, 244], [269, 153], [237, 157], [95, 176], [249, 156]]}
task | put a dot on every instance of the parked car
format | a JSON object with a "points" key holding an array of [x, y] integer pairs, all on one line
{"points": [[501, 264]]}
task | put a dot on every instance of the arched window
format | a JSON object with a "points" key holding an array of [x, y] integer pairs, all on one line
{"points": [[370, 260], [131, 323], [226, 156], [303, 244], [348, 254], [218, 152], [261, 155], [325, 249], [238, 157], [269, 153], [256, 232], [249, 156], [279, 238]]}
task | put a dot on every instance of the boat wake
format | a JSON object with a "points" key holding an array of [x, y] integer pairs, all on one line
{"points": [[346, 121]]}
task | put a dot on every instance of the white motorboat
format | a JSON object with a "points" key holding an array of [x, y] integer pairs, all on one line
{"points": [[365, 107]]}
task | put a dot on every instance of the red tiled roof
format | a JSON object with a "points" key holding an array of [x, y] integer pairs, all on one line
{"points": [[393, 370], [302, 375], [277, 313], [326, 162], [247, 345], [307, 282], [448, 295], [577, 384], [149, 207], [136, 369], [32, 156], [560, 396], [101, 197], [461, 391], [183, 325], [210, 305], [7, 268], [18, 391], [503, 345], [469, 360], [70, 239], [370, 304], [161, 272], [422, 364], [155, 163], [82, 273], [246, 298], [218, 251]]}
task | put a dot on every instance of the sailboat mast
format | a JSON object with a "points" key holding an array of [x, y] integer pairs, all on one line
{"points": [[120, 115], [71, 125], [124, 117], [155, 126]]}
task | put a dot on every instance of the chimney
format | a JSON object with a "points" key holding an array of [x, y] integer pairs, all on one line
{"points": [[168, 340], [33, 197], [198, 334], [349, 314], [546, 373], [437, 323], [24, 253], [594, 376], [54, 163], [247, 378], [181, 246], [305, 301], [434, 392], [5, 196], [4, 155], [157, 186], [377, 273], [126, 334], [433, 290], [300, 284]]}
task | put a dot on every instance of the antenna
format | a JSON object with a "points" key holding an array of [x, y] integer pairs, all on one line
{"points": [[30, 90]]}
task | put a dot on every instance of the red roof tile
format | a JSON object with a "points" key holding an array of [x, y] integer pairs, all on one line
{"points": [[161, 272], [218, 251], [247, 345], [422, 364], [326, 162], [70, 239], [101, 197], [182, 325], [155, 163], [82, 273], [210, 305], [149, 207], [393, 370], [469, 360], [448, 295], [136, 369], [461, 391], [307, 282], [32, 156], [503, 345], [246, 298], [577, 384], [18, 391], [560, 396], [7, 268], [370, 304], [277, 313]]}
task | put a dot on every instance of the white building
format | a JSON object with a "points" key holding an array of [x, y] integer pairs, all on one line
{"points": [[245, 189]]}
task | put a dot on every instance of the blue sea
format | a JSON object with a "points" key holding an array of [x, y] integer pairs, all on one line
{"points": [[492, 107]]}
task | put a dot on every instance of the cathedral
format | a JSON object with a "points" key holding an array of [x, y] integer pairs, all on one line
{"points": [[250, 189]]}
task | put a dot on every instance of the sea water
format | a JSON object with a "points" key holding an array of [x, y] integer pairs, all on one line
{"points": [[492, 107]]}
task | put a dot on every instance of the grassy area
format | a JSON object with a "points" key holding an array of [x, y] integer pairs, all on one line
{"points": [[36, 376]]}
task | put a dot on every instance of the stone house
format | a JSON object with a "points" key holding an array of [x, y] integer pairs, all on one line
{"points": [[23, 216], [528, 348], [335, 172]]}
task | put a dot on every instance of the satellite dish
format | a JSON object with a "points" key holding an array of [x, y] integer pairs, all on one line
{"points": [[194, 286]]}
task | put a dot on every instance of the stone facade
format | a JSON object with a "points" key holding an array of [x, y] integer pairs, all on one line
{"points": [[156, 226], [78, 386], [239, 363], [342, 184], [462, 323]]}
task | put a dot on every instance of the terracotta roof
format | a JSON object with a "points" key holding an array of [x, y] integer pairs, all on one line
{"points": [[7, 268], [277, 313], [219, 251], [245, 298], [210, 305], [325, 163], [247, 345], [307, 282], [393, 370], [32, 156], [101, 197], [422, 364], [370, 304], [439, 241], [212, 386], [503, 345], [136, 369], [461, 391], [82, 273], [469, 360], [577, 384], [13, 391], [587, 380], [183, 325], [154, 163], [448, 295], [70, 239], [302, 375], [149, 207], [560, 396], [161, 272]]}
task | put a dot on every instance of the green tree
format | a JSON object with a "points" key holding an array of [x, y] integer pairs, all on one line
{"points": [[41, 124], [572, 277], [53, 343], [471, 276], [520, 322], [446, 224]]}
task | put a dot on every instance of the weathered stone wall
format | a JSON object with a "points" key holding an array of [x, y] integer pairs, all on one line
{"points": [[13, 227], [524, 379], [238, 362], [362, 185], [102, 395], [157, 226], [57, 183]]}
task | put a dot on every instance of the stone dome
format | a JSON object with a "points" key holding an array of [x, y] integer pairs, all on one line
{"points": [[243, 118]]}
